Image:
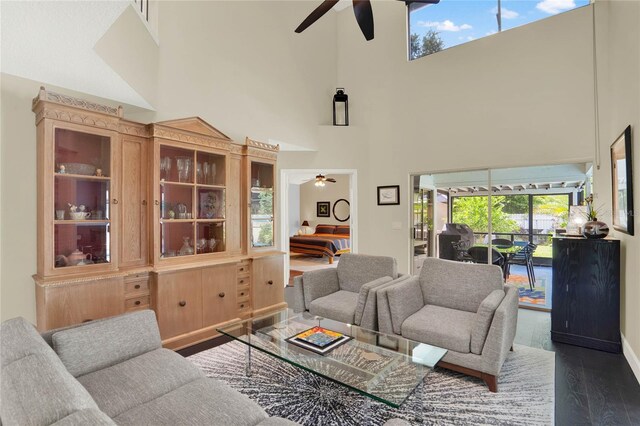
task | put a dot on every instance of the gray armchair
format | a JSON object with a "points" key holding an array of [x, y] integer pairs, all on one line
{"points": [[462, 307], [347, 293]]}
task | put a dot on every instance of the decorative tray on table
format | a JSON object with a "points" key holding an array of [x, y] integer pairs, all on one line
{"points": [[318, 340]]}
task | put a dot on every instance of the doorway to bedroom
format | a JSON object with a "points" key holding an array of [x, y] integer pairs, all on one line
{"points": [[318, 211]]}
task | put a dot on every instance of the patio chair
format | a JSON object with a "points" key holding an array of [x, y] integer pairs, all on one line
{"points": [[479, 255], [460, 249], [525, 258]]}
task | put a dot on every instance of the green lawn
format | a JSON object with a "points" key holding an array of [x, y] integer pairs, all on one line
{"points": [[543, 251]]}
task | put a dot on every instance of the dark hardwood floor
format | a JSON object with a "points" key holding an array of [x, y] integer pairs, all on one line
{"points": [[592, 387]]}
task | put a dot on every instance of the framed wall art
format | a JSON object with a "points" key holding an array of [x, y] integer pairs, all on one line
{"points": [[622, 183], [389, 195], [323, 209]]}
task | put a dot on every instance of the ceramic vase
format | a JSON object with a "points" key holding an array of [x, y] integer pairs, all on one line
{"points": [[595, 229]]}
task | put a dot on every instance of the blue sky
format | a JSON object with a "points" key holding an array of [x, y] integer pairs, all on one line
{"points": [[459, 21]]}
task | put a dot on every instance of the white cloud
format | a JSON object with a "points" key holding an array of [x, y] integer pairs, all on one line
{"points": [[446, 25], [492, 32], [555, 6], [470, 38], [506, 13]]}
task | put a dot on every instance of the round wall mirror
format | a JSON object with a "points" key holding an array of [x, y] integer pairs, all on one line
{"points": [[342, 210]]}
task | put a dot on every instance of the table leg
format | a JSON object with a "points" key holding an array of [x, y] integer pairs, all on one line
{"points": [[248, 362], [420, 404]]}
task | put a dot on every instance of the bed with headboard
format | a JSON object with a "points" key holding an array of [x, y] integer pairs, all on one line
{"points": [[326, 240]]}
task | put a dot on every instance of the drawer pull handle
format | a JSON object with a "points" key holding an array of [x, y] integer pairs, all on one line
{"points": [[137, 286], [157, 203], [241, 269], [182, 303], [115, 201], [242, 306], [137, 302], [270, 282], [242, 294], [241, 281], [221, 294], [144, 202]]}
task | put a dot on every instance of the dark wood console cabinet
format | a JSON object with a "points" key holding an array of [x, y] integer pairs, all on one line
{"points": [[586, 293]]}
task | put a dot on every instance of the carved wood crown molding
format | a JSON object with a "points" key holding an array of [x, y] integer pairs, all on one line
{"points": [[61, 99], [77, 117], [259, 153], [183, 136], [262, 145], [134, 129]]}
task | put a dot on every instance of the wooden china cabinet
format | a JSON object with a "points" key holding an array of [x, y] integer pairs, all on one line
{"points": [[172, 216]]}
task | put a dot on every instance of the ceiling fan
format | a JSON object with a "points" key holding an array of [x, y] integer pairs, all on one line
{"points": [[362, 10], [321, 179]]}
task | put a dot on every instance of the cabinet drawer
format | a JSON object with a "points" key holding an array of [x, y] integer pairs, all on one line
{"points": [[244, 306], [243, 292], [243, 269], [242, 281], [136, 286], [136, 303]]}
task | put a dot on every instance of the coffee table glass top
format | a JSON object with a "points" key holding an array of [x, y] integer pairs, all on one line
{"points": [[384, 367]]}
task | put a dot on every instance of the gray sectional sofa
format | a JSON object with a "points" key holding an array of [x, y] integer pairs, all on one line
{"points": [[111, 371]]}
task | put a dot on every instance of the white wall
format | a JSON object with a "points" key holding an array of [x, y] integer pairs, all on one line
{"points": [[332, 192], [618, 52], [294, 209]]}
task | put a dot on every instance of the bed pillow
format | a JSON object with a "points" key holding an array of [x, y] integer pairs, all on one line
{"points": [[325, 229], [343, 229]]}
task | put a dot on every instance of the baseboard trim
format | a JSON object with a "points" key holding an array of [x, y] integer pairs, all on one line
{"points": [[631, 357]]}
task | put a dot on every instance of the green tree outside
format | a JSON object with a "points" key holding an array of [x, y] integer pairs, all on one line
{"points": [[473, 212], [428, 44]]}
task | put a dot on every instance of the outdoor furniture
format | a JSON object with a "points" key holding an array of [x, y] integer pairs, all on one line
{"points": [[460, 249], [462, 307], [453, 232], [502, 242], [524, 257], [346, 293], [480, 255]]}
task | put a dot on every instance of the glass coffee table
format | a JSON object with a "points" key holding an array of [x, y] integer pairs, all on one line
{"points": [[385, 368]]}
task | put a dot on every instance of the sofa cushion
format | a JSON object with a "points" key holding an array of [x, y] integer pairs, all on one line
{"points": [[483, 320], [201, 402], [354, 270], [366, 298], [338, 306], [102, 344], [19, 338], [458, 285], [93, 417], [38, 390], [443, 327], [138, 380]]}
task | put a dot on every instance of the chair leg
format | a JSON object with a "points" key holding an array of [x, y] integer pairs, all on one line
{"points": [[529, 277], [491, 381]]}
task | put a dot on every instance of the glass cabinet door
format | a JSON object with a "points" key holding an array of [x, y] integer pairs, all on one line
{"points": [[82, 190], [192, 202], [261, 193]]}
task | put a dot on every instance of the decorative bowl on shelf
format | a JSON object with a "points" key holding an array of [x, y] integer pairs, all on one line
{"points": [[79, 169], [79, 215]]}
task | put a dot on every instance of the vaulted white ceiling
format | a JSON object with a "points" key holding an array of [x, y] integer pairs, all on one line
{"points": [[53, 42]]}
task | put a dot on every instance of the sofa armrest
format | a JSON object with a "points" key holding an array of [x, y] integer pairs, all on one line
{"points": [[405, 299], [501, 333], [319, 283], [483, 319], [370, 319], [298, 294], [366, 298]]}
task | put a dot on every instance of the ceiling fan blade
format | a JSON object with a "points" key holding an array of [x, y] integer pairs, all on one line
{"points": [[364, 16], [319, 11], [332, 180], [408, 2]]}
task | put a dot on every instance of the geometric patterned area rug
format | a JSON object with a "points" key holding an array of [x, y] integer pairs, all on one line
{"points": [[525, 397]]}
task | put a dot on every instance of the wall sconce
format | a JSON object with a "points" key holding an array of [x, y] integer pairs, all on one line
{"points": [[340, 108]]}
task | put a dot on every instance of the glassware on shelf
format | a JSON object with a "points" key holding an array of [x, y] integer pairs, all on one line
{"points": [[184, 165], [206, 172], [201, 245], [165, 167], [212, 243], [186, 248], [199, 172]]}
